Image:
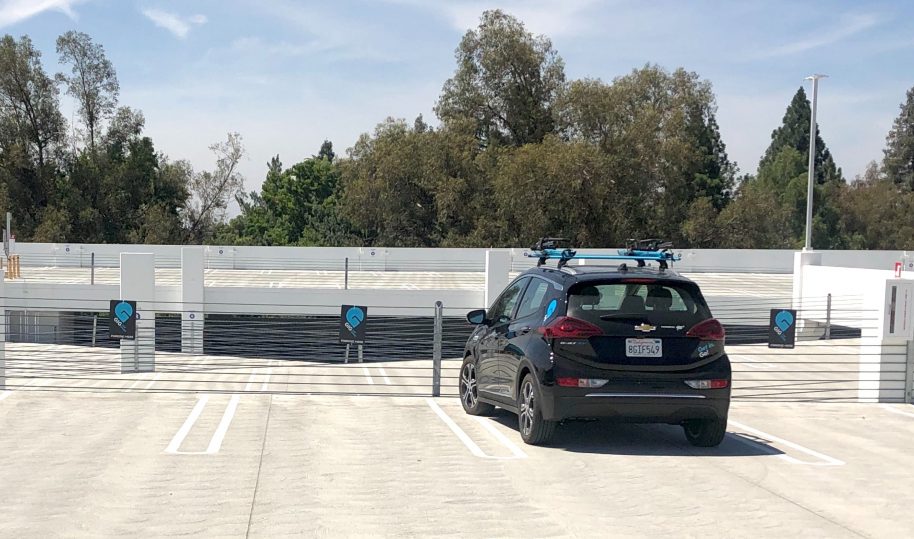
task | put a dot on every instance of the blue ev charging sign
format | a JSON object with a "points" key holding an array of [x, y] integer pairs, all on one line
{"points": [[353, 319], [122, 315], [782, 328]]}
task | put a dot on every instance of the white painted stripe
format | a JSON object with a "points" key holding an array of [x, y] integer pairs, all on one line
{"points": [[266, 380], [384, 375], [828, 461], [153, 381], [216, 442], [249, 385], [188, 424], [5, 394], [471, 445], [505, 441], [136, 382], [368, 375], [896, 411]]}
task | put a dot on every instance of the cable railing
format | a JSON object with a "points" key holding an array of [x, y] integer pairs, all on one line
{"points": [[418, 353]]}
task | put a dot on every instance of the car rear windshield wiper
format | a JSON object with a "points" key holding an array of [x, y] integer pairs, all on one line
{"points": [[623, 317]]}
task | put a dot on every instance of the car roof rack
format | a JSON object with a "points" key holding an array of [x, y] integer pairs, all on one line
{"points": [[641, 251]]}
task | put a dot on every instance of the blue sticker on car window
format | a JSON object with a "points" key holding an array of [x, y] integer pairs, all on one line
{"points": [[550, 309]]}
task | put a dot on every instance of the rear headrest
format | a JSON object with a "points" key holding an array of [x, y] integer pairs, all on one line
{"points": [[589, 295], [659, 297]]}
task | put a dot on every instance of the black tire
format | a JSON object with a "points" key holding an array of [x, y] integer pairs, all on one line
{"points": [[705, 432], [469, 390], [534, 430]]}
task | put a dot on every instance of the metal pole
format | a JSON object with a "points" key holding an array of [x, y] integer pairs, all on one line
{"points": [[94, 327], [346, 358], [360, 354], [436, 350], [812, 160], [93, 269], [346, 274], [828, 318]]}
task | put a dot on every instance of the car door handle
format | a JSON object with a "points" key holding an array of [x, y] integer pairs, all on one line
{"points": [[524, 330]]}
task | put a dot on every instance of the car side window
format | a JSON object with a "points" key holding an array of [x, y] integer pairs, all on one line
{"points": [[534, 298], [504, 306]]}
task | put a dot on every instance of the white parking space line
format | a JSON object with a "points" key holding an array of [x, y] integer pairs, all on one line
{"points": [[153, 381], [384, 375], [266, 380], [467, 441], [216, 442], [462, 436], [826, 460], [368, 375], [188, 424], [894, 410], [5, 394], [505, 441]]}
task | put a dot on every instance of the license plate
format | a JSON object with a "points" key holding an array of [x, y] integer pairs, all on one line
{"points": [[644, 347]]}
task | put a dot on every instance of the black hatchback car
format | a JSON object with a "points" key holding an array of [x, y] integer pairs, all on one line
{"points": [[630, 344]]}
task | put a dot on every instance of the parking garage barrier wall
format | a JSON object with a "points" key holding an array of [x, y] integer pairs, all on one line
{"points": [[417, 259]]}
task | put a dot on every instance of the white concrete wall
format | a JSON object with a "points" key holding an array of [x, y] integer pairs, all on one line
{"points": [[403, 259], [138, 284], [857, 297]]}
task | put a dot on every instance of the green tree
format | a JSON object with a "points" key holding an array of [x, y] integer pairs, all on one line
{"points": [[92, 81], [507, 80], [389, 186], [794, 133], [898, 162], [31, 132], [30, 105], [210, 192], [876, 212], [660, 132]]}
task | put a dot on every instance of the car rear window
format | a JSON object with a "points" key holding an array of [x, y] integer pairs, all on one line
{"points": [[677, 305]]}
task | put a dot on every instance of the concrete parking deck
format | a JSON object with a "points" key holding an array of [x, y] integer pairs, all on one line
{"points": [[135, 465], [222, 447]]}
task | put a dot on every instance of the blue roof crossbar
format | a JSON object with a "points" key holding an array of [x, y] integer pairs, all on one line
{"points": [[662, 256]]}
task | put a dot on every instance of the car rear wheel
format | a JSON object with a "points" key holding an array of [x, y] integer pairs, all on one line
{"points": [[705, 432], [534, 430], [469, 390]]}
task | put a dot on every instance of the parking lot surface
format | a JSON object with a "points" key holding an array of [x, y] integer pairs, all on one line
{"points": [[227, 449]]}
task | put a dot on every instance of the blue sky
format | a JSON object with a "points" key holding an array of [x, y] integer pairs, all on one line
{"points": [[287, 74]]}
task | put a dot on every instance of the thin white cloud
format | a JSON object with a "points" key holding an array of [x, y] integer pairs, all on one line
{"points": [[174, 23], [848, 26], [13, 11], [554, 18]]}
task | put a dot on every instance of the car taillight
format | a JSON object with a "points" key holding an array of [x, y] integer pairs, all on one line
{"points": [[708, 384], [566, 327], [580, 382], [708, 330]]}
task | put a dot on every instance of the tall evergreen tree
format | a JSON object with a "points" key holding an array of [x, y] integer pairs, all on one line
{"points": [[794, 133], [899, 151]]}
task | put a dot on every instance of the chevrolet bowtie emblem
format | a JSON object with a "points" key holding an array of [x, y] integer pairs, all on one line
{"points": [[645, 328]]}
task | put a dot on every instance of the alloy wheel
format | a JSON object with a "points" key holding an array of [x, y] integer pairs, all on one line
{"points": [[468, 390], [527, 408]]}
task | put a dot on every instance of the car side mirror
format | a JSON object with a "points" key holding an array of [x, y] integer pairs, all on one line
{"points": [[477, 317]]}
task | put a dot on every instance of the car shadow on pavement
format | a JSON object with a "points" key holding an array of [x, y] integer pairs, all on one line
{"points": [[613, 438]]}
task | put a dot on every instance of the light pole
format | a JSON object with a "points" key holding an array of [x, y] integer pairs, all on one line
{"points": [[812, 159]]}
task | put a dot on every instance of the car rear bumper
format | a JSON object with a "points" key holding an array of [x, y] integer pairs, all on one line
{"points": [[644, 407], [648, 397]]}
